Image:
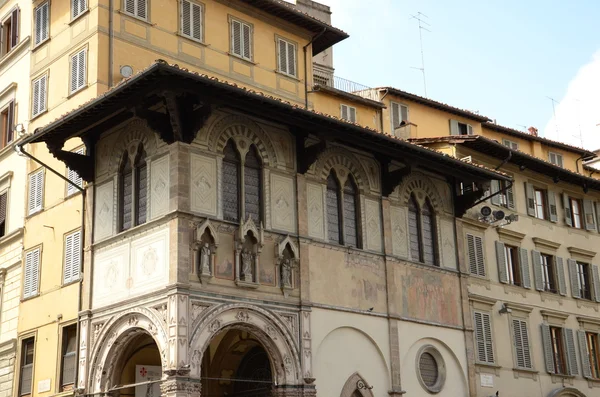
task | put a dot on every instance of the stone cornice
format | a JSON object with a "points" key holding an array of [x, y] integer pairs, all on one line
{"points": [[581, 252], [482, 299], [551, 313], [543, 243], [475, 223], [510, 234]]}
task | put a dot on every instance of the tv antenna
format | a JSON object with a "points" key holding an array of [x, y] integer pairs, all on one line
{"points": [[419, 18], [554, 114]]}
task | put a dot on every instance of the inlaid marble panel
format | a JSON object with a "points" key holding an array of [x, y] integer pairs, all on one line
{"points": [[203, 186]]}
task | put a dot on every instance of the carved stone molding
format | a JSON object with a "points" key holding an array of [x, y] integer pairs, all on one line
{"points": [[177, 386]]}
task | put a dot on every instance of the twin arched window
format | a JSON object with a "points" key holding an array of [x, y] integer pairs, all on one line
{"points": [[242, 178], [133, 190], [342, 211], [421, 230]]}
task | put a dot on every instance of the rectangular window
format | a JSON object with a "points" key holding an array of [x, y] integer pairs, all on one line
{"points": [[39, 95], [42, 23], [3, 213], [78, 7], [584, 280], [10, 32], [137, 8], [521, 342], [513, 270], [69, 345], [192, 15], [72, 258], [286, 57], [26, 374], [8, 122], [36, 191], [540, 203], [555, 158], [510, 144], [31, 274], [593, 353], [348, 113], [74, 176], [399, 115], [548, 274], [483, 338], [558, 350], [458, 128], [241, 39], [576, 206], [78, 71], [475, 255]]}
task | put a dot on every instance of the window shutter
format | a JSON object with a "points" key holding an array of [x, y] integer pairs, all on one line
{"points": [[236, 37], [560, 271], [247, 41], [36, 191], [469, 129], [282, 56], [39, 95], [567, 207], [596, 282], [74, 177], [510, 198], [41, 23], [524, 266], [77, 8], [11, 122], [530, 193], [574, 278], [547, 342], [14, 28], [291, 52], [352, 114], [3, 210], [552, 205], [521, 342], [141, 9], [142, 194], [78, 66], [395, 116], [586, 369], [32, 263], [454, 130], [597, 207], [344, 110], [536, 258], [68, 269], [495, 187], [403, 113], [186, 18], [501, 261], [197, 21], [588, 215], [130, 6], [483, 338], [570, 350], [475, 253], [72, 257]]}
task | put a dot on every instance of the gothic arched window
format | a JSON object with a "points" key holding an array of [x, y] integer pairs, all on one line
{"points": [[231, 180], [428, 233], [414, 231], [350, 213], [342, 211], [133, 192], [333, 209], [421, 231], [252, 185]]}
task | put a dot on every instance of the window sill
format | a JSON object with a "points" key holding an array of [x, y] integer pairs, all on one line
{"points": [[71, 283], [40, 44], [487, 368], [515, 289], [135, 17], [248, 61], [593, 382], [29, 216], [288, 76], [24, 299], [77, 91], [193, 40], [526, 370], [15, 50], [590, 304], [78, 17], [74, 194], [38, 115]]}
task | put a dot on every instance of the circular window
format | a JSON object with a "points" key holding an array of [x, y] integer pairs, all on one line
{"points": [[431, 369]]}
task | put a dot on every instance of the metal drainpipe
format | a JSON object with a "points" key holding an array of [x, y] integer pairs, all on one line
{"points": [[21, 149], [306, 66], [111, 35]]}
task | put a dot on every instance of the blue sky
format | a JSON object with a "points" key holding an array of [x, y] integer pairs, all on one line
{"points": [[500, 58]]}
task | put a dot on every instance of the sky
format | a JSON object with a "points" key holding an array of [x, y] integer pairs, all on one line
{"points": [[503, 59]]}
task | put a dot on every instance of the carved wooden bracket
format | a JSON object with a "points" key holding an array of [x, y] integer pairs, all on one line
{"points": [[307, 156], [391, 179], [80, 163], [466, 201]]}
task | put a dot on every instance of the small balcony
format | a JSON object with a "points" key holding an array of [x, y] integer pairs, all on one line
{"points": [[327, 80]]}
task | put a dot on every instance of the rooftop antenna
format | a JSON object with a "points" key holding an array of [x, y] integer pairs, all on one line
{"points": [[524, 127], [554, 114], [419, 18]]}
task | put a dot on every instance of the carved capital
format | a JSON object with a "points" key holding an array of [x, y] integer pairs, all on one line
{"points": [[178, 386]]}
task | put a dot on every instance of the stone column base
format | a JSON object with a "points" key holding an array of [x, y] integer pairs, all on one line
{"points": [[294, 391], [180, 387]]}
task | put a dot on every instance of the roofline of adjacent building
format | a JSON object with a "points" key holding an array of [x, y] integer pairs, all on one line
{"points": [[349, 96]]}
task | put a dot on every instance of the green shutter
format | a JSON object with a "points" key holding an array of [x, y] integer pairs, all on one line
{"points": [[524, 267], [588, 215], [552, 206], [560, 272], [570, 350], [596, 282], [530, 195], [586, 369], [510, 198], [567, 208], [536, 258], [501, 261], [572, 264], [547, 343]]}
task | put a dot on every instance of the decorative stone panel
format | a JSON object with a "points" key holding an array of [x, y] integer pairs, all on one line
{"points": [[316, 216], [283, 214], [446, 243], [104, 210], [203, 186], [399, 231], [159, 187], [373, 225]]}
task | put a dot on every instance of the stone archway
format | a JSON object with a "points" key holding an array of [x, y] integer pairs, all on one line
{"points": [[265, 327], [566, 392], [356, 386]]}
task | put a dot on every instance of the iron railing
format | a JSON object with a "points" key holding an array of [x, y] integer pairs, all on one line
{"points": [[327, 79]]}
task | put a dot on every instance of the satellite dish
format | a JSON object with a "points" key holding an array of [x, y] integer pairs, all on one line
{"points": [[126, 71], [486, 211], [498, 215]]}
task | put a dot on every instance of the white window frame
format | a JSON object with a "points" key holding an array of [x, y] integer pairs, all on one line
{"points": [[82, 9], [75, 57], [348, 112], [558, 157], [38, 205], [510, 144], [73, 176], [72, 249], [44, 97], [400, 106], [287, 43], [248, 57], [136, 10], [191, 4], [44, 36], [28, 267]]}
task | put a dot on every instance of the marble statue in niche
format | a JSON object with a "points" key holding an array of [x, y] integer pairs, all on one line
{"points": [[205, 248], [205, 259], [286, 273], [248, 258], [287, 264]]}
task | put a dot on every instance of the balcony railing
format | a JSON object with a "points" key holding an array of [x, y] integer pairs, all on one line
{"points": [[327, 79]]}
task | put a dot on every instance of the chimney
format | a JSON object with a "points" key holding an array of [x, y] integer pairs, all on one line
{"points": [[533, 131]]}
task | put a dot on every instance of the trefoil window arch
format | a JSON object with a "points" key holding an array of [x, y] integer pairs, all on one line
{"points": [[422, 231], [342, 211], [133, 190]]}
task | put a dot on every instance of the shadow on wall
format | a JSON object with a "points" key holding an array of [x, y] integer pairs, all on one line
{"points": [[344, 352]]}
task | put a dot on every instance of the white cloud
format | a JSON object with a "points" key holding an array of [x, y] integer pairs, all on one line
{"points": [[579, 109]]}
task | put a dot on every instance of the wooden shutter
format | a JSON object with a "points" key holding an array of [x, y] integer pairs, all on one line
{"points": [[344, 112], [483, 338], [501, 261], [236, 38], [575, 292], [191, 20], [586, 369], [141, 9], [74, 176], [596, 282], [521, 343], [39, 95], [552, 206], [524, 267], [454, 130], [395, 114], [530, 194], [72, 257], [78, 66], [31, 276], [36, 191], [536, 258], [560, 272], [588, 215], [130, 6], [247, 41], [77, 8], [469, 129], [403, 113], [41, 23], [567, 207], [14, 26], [510, 198], [547, 343], [352, 114], [291, 52], [10, 121], [3, 211], [570, 351], [495, 187], [475, 255]]}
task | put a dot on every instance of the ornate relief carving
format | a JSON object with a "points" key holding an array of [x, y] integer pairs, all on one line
{"points": [[344, 162], [399, 231], [104, 211], [243, 316], [316, 215], [423, 187], [97, 328], [129, 138], [162, 311], [203, 184], [373, 225], [214, 326], [159, 187], [282, 203], [446, 238]]}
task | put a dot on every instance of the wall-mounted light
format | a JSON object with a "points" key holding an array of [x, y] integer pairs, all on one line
{"points": [[504, 309]]}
